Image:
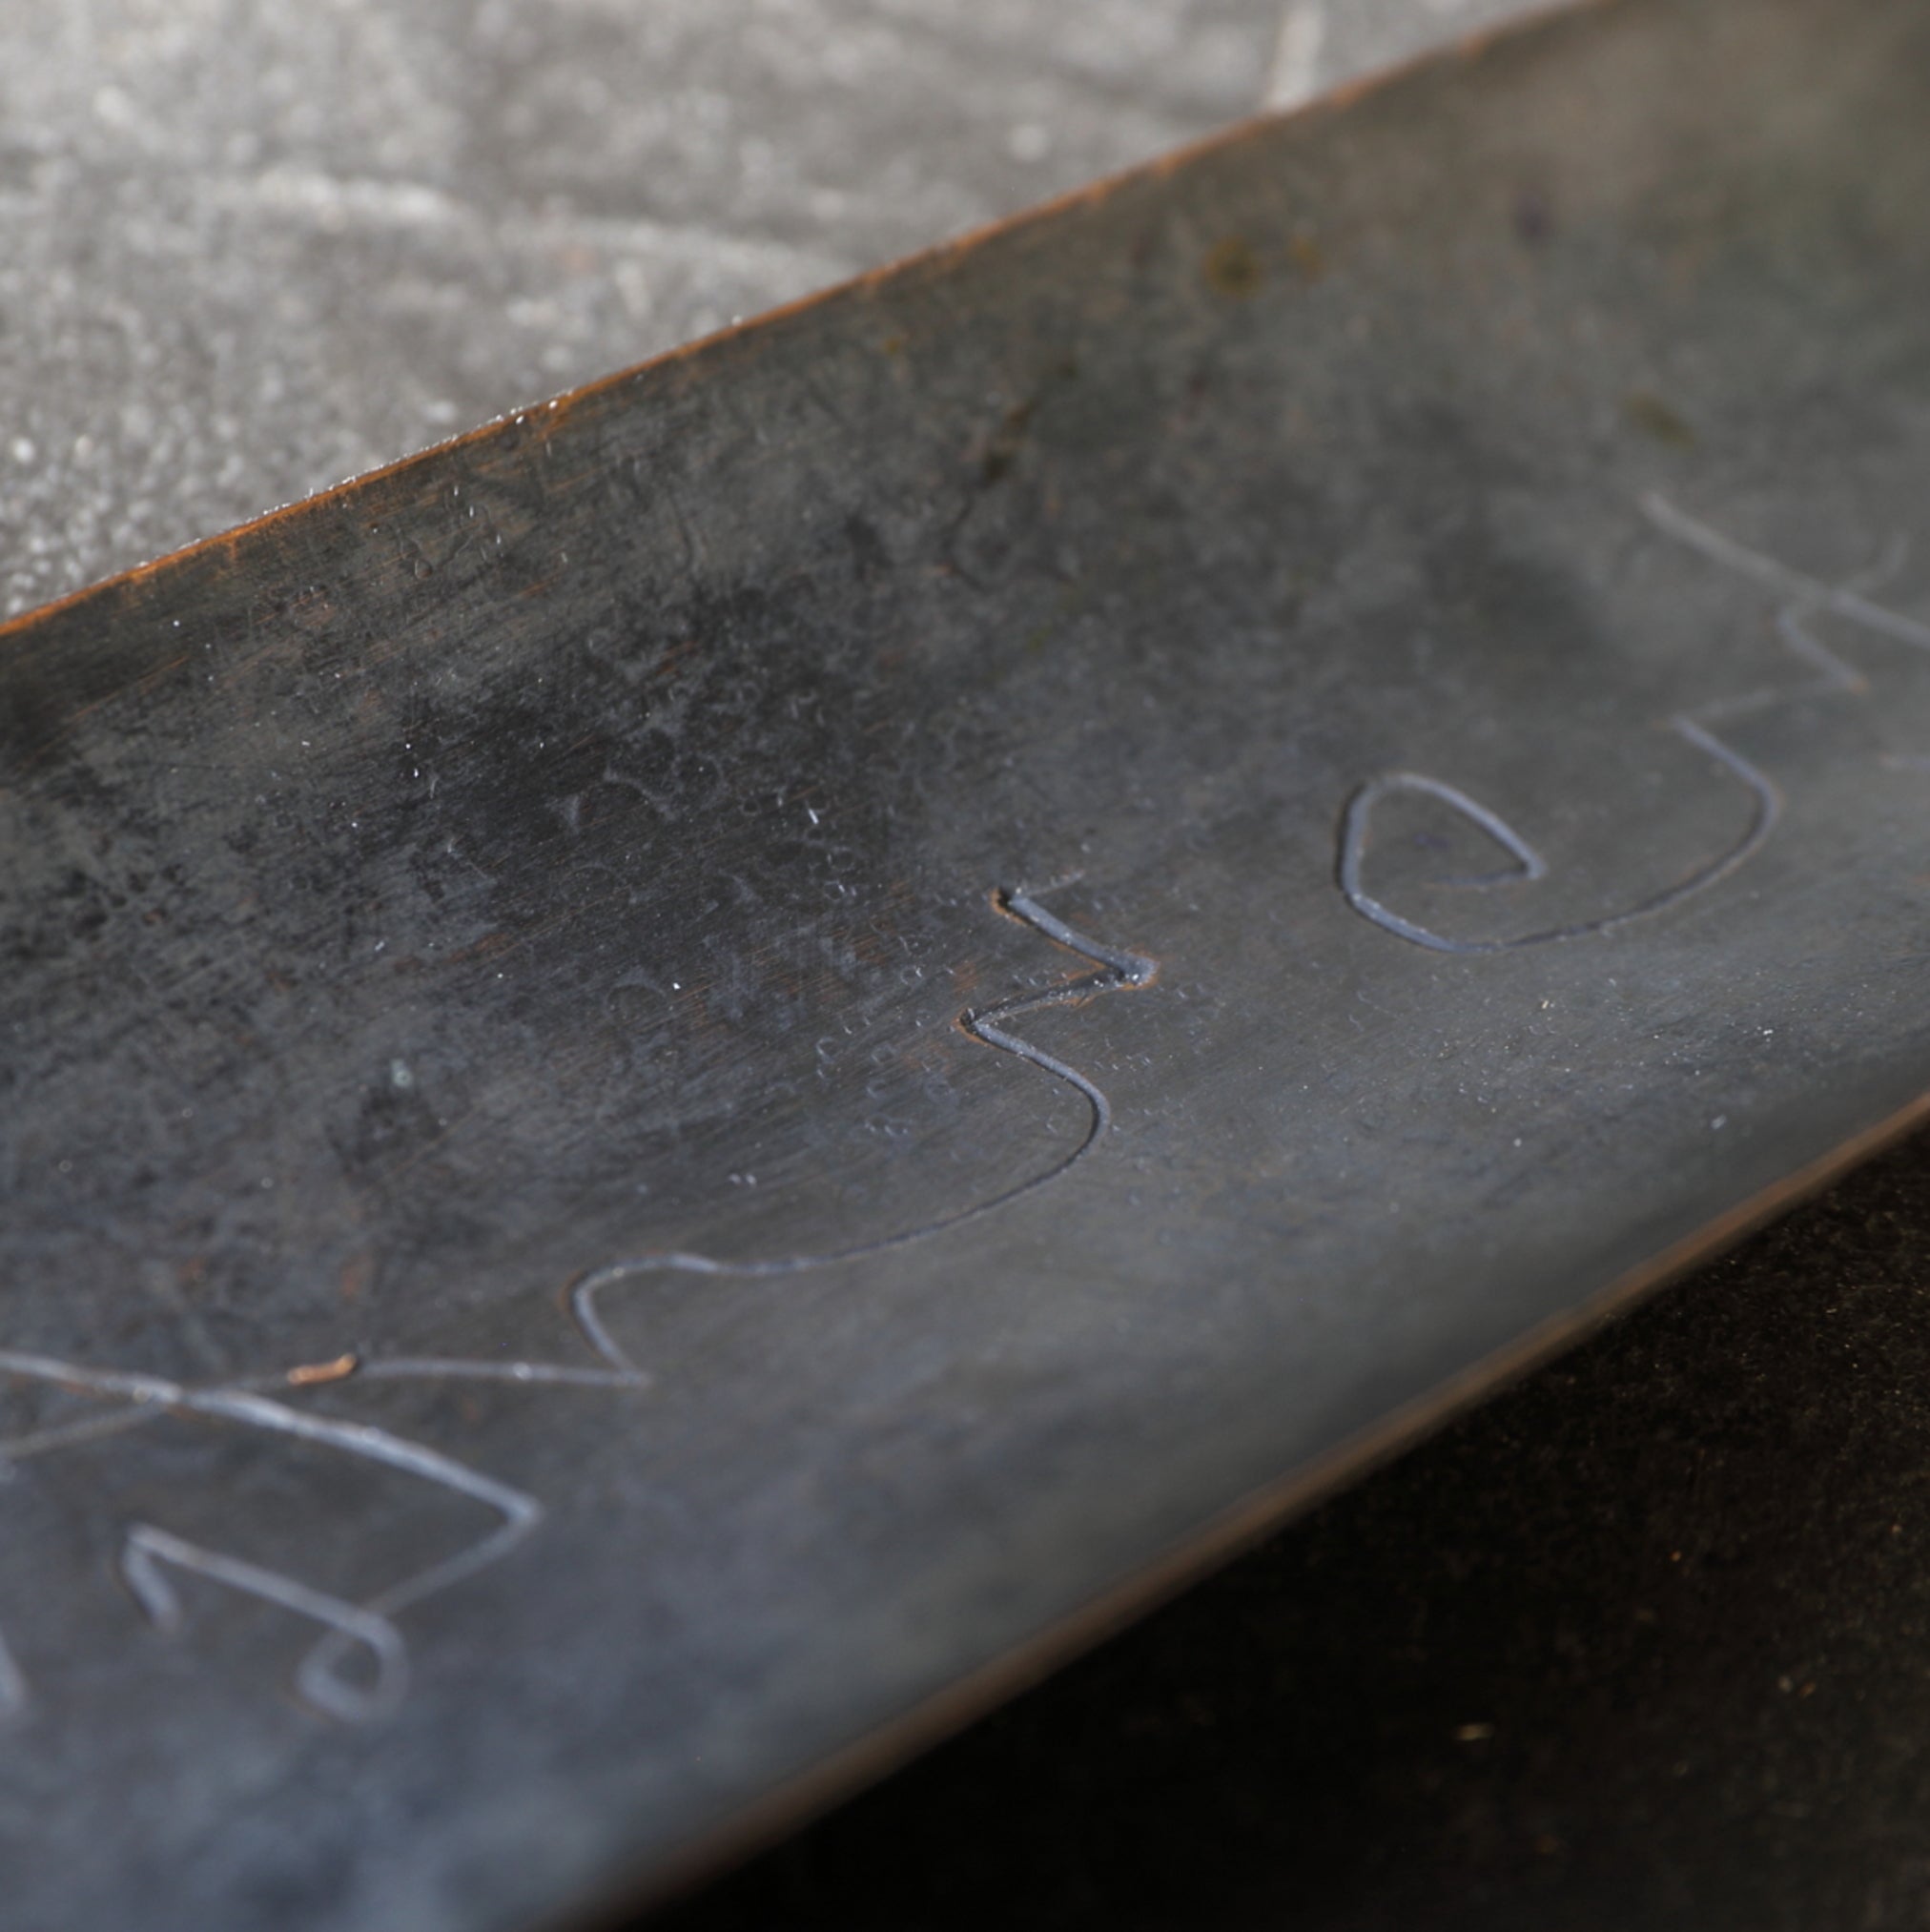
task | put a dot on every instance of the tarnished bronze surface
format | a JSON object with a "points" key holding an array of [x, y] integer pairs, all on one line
{"points": [[683, 1075]]}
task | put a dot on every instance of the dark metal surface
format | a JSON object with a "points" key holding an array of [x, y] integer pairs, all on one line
{"points": [[1634, 1646], [681, 1072]]}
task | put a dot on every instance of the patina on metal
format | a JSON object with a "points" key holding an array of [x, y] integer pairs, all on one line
{"points": [[685, 1078]]}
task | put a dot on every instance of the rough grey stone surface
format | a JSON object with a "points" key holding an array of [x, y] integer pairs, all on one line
{"points": [[247, 250]]}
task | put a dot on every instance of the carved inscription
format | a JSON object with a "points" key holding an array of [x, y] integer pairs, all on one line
{"points": [[1802, 601], [357, 1666]]}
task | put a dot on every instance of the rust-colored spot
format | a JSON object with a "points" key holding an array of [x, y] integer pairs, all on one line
{"points": [[312, 1372], [485, 948], [1647, 412], [1003, 448], [1308, 257], [1232, 269]]}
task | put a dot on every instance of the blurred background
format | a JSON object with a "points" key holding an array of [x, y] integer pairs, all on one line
{"points": [[1644, 1643]]}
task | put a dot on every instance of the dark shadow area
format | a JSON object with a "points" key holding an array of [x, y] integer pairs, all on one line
{"points": [[1643, 1642]]}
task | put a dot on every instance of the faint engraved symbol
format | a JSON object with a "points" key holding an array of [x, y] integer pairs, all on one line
{"points": [[1115, 972], [1805, 600], [366, 1632], [147, 1551]]}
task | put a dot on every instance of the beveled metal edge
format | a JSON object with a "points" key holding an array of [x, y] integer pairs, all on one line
{"points": [[866, 1760], [551, 412]]}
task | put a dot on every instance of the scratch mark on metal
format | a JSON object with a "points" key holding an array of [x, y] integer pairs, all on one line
{"points": [[147, 1549], [1117, 971], [368, 1627], [1809, 598], [317, 1677]]}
